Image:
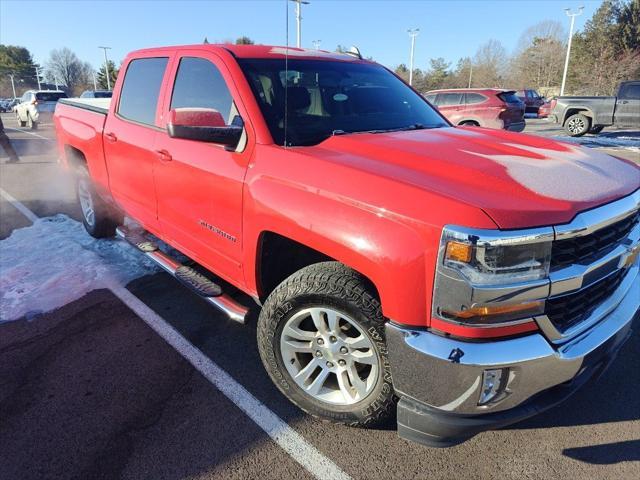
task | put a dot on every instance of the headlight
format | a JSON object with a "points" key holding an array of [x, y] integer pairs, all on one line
{"points": [[489, 278], [493, 260]]}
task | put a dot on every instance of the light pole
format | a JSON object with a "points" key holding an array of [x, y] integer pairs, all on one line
{"points": [[470, 73], [106, 66], [95, 83], [316, 44], [13, 86], [413, 33], [566, 60], [299, 4], [38, 78]]}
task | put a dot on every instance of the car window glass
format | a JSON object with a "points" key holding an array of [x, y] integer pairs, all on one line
{"points": [[631, 91], [472, 98], [431, 98], [449, 99], [141, 88], [200, 84]]}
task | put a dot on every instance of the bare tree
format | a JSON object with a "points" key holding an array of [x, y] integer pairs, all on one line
{"points": [[65, 68], [490, 65]]}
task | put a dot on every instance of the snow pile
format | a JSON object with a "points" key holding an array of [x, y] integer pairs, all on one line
{"points": [[626, 142], [54, 262]]}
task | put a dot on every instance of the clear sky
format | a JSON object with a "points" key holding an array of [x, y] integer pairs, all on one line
{"points": [[448, 28]]}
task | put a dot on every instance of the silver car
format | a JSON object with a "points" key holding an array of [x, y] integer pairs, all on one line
{"points": [[37, 106]]}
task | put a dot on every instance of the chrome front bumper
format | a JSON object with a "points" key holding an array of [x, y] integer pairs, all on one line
{"points": [[446, 374]]}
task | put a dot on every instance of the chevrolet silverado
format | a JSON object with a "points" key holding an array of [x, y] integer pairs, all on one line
{"points": [[463, 278]]}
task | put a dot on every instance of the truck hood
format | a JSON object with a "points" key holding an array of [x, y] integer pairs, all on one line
{"points": [[519, 180]]}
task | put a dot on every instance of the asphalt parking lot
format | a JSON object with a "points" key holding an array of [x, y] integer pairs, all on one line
{"points": [[144, 380]]}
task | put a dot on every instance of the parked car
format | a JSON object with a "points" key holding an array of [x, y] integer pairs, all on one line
{"points": [[483, 107], [532, 100], [580, 115], [37, 106], [480, 276], [96, 94]]}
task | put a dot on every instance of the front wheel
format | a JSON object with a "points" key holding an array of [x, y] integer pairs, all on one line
{"points": [[321, 339], [577, 125]]}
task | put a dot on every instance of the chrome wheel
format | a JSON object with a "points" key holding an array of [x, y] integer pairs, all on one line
{"points": [[576, 125], [86, 202], [329, 356]]}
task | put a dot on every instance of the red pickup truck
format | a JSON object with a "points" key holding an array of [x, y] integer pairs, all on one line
{"points": [[467, 278]]}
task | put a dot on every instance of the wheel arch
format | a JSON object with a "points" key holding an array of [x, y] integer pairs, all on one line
{"points": [[587, 112]]}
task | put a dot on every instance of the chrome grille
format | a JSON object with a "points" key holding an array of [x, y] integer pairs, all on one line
{"points": [[589, 247]]}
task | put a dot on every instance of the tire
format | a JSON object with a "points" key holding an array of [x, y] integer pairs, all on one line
{"points": [[597, 129], [97, 218], [332, 288], [20, 122], [470, 123], [577, 125], [31, 124]]}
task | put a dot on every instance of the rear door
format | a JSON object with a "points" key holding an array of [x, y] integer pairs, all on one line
{"points": [[200, 183], [129, 137], [628, 105]]}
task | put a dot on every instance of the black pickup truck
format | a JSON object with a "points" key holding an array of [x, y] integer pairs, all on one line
{"points": [[580, 115]]}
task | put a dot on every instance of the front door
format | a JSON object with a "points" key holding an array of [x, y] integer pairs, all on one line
{"points": [[200, 183], [129, 137]]}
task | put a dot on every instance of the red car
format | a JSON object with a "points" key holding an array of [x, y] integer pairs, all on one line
{"points": [[545, 109], [532, 100], [479, 276], [480, 107]]}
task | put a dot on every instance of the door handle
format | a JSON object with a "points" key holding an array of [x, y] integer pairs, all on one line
{"points": [[164, 155], [111, 137]]}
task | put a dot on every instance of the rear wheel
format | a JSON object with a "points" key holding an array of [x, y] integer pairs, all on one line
{"points": [[577, 125], [321, 339], [470, 123], [597, 129], [19, 121], [97, 218], [31, 124]]}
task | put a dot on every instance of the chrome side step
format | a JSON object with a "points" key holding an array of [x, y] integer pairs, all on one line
{"points": [[188, 277]]}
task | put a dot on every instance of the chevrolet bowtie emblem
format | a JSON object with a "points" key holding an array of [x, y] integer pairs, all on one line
{"points": [[634, 251]]}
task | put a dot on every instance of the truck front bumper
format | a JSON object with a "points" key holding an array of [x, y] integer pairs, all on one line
{"points": [[441, 380]]}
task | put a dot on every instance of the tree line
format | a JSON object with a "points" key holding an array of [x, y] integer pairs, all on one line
{"points": [[604, 53]]}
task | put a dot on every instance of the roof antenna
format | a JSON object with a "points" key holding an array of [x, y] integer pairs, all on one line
{"points": [[286, 74]]}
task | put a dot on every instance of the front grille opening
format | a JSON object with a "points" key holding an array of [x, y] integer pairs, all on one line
{"points": [[569, 310], [590, 247]]}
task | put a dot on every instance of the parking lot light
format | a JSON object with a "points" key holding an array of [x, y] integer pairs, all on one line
{"points": [[566, 60]]}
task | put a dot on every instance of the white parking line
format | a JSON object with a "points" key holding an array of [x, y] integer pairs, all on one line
{"points": [[280, 432], [19, 206], [29, 133]]}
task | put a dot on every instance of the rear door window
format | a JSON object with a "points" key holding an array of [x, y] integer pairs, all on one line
{"points": [[509, 97], [631, 91], [141, 88], [447, 99]]}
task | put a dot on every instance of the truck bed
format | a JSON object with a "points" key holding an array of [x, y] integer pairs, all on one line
{"points": [[98, 105]]}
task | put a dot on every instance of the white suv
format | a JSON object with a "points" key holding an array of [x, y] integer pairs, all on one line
{"points": [[36, 106]]}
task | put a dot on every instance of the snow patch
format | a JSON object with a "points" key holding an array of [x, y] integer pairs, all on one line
{"points": [[54, 262], [626, 142]]}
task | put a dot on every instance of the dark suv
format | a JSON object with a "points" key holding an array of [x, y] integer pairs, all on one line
{"points": [[532, 100], [482, 107]]}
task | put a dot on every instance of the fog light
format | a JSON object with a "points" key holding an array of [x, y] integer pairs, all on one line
{"points": [[491, 385]]}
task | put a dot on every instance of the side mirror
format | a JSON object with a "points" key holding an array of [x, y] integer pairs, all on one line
{"points": [[204, 125]]}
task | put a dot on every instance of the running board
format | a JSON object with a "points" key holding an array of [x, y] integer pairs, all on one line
{"points": [[187, 276]]}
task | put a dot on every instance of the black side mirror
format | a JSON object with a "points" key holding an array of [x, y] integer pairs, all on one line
{"points": [[204, 125]]}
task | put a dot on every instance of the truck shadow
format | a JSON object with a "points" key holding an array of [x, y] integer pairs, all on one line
{"points": [[607, 454]]}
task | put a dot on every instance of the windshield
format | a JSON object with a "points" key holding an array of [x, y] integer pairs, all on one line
{"points": [[325, 98]]}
